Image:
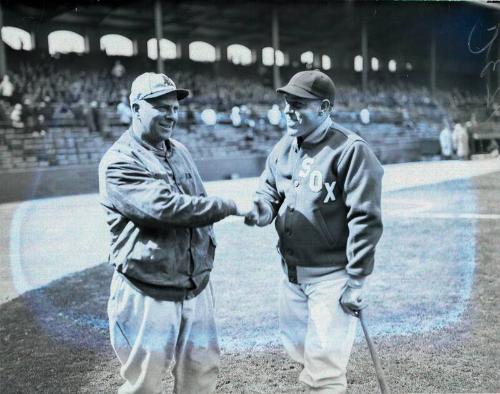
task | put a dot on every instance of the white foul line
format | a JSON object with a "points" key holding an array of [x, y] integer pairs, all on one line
{"points": [[445, 215], [415, 215]]}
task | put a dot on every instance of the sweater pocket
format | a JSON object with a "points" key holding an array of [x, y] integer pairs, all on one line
{"points": [[320, 223]]}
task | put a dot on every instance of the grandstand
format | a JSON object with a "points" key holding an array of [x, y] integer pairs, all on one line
{"points": [[68, 96]]}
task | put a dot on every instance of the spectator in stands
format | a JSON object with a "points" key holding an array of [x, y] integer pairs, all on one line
{"points": [[460, 141], [235, 117], [62, 111], [472, 128], [102, 118], [492, 145], [88, 116], [248, 118], [28, 117], [118, 70], [274, 116], [209, 118], [364, 116], [6, 89], [124, 112], [249, 135], [79, 110], [16, 116], [190, 119], [93, 117], [261, 126], [446, 141], [46, 108], [40, 125], [492, 148], [3, 112]]}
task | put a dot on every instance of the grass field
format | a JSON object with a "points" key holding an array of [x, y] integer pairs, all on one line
{"points": [[433, 310]]}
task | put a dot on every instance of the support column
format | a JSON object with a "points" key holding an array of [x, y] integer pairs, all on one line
{"points": [[294, 57], [3, 61], [276, 47], [364, 54], [183, 50], [41, 34], [92, 37], [159, 35], [142, 46], [222, 53], [433, 63], [257, 56], [220, 59], [317, 60], [498, 65]]}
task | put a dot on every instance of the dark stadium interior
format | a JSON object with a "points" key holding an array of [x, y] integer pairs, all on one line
{"points": [[67, 103]]}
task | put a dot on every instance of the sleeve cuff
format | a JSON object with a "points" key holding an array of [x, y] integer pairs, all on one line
{"points": [[230, 205], [356, 282]]}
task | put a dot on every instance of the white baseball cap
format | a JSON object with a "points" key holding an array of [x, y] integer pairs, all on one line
{"points": [[150, 85]]}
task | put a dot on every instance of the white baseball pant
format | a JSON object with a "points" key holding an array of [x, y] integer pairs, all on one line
{"points": [[148, 335], [317, 333]]}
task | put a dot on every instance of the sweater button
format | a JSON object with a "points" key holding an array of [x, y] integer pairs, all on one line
{"points": [[291, 208], [296, 183]]}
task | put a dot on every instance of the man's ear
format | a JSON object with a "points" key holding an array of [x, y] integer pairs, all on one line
{"points": [[135, 109], [326, 106]]}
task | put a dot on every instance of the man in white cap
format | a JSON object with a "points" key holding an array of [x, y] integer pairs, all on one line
{"points": [[322, 184], [162, 247]]}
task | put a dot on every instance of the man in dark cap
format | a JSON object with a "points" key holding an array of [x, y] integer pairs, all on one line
{"points": [[322, 186], [162, 247]]}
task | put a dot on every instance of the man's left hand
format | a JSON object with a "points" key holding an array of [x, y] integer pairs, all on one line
{"points": [[351, 299]]}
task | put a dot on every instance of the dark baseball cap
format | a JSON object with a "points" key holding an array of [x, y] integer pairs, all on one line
{"points": [[311, 84], [150, 85]]}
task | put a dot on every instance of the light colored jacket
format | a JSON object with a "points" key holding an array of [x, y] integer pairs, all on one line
{"points": [[461, 141], [446, 142]]}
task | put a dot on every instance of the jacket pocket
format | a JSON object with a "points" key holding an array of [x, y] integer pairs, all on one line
{"points": [[323, 227]]}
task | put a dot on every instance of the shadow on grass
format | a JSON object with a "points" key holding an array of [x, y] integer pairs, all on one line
{"points": [[52, 335]]}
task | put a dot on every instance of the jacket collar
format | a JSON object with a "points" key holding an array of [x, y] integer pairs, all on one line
{"points": [[317, 135], [165, 152]]}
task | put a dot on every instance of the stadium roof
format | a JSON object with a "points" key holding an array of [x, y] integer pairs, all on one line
{"points": [[316, 25]]}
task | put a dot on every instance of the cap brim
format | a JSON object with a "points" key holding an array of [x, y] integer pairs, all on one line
{"points": [[181, 94], [297, 91]]}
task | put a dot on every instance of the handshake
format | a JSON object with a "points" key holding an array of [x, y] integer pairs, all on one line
{"points": [[261, 213]]}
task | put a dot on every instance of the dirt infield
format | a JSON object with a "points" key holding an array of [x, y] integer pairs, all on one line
{"points": [[55, 339]]}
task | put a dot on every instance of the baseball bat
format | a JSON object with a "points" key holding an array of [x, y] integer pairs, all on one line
{"points": [[376, 362]]}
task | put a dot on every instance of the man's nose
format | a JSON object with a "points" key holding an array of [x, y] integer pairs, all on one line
{"points": [[169, 114], [290, 112]]}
